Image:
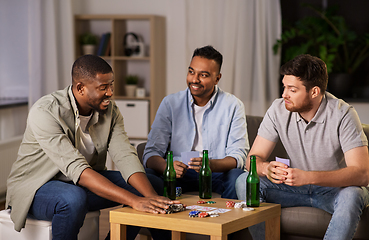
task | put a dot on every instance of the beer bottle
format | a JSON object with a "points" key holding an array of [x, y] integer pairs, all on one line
{"points": [[252, 185], [205, 177], [170, 178]]}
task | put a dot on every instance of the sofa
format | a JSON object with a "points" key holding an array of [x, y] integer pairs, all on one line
{"points": [[297, 223]]}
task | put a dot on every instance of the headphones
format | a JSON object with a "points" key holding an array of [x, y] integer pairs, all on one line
{"points": [[131, 49]]}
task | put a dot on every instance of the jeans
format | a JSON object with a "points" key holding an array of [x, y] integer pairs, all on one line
{"points": [[222, 183], [66, 205], [345, 204]]}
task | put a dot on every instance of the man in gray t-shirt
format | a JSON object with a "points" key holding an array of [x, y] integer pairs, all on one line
{"points": [[328, 163]]}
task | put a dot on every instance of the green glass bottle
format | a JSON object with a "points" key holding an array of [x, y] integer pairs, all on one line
{"points": [[205, 177], [170, 178], [252, 185]]}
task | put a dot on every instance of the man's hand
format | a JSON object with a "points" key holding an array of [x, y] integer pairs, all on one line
{"points": [[280, 173], [195, 164], [296, 177], [277, 172], [180, 168], [156, 204]]}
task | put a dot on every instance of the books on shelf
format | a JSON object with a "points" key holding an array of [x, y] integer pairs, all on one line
{"points": [[104, 46]]}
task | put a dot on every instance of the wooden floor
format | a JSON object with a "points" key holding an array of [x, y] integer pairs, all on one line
{"points": [[104, 225]]}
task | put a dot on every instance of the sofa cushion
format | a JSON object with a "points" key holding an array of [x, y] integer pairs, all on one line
{"points": [[253, 123]]}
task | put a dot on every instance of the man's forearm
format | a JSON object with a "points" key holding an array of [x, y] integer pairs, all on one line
{"points": [[349, 176], [222, 165], [102, 187], [156, 163], [142, 184]]}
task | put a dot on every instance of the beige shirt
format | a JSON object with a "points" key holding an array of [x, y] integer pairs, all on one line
{"points": [[49, 147]]}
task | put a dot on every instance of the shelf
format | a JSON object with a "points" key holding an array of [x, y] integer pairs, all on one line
{"points": [[129, 98], [150, 68], [125, 58]]}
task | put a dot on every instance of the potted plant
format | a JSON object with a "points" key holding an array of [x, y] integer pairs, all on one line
{"points": [[131, 85], [327, 36], [88, 42]]}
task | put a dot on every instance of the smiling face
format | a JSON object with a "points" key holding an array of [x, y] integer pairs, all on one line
{"points": [[203, 74], [296, 98], [95, 94]]}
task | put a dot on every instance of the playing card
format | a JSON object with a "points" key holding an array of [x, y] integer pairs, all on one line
{"points": [[283, 160], [186, 156]]}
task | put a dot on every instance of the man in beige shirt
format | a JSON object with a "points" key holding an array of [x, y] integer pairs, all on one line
{"points": [[60, 171]]}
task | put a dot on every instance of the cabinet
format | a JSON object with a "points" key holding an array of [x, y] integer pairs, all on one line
{"points": [[135, 114], [150, 68]]}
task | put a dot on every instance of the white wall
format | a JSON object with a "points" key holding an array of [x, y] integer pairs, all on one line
{"points": [[177, 63], [362, 110], [13, 121]]}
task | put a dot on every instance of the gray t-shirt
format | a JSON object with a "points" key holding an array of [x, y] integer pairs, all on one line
{"points": [[320, 144]]}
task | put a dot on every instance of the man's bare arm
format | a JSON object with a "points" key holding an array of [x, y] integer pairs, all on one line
{"points": [[355, 174], [101, 186]]}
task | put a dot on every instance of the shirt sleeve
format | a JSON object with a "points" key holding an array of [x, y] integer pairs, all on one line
{"points": [[351, 132], [160, 134], [122, 153], [268, 127], [238, 143], [56, 144]]}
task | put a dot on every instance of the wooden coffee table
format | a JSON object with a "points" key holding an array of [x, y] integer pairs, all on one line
{"points": [[180, 223]]}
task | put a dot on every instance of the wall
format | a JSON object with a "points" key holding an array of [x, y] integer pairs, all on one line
{"points": [[12, 121], [362, 110], [177, 63]]}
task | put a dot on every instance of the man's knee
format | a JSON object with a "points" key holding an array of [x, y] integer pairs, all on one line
{"points": [[233, 174], [241, 186], [352, 196], [75, 200]]}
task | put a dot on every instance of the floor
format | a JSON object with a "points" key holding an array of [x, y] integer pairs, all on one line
{"points": [[104, 225]]}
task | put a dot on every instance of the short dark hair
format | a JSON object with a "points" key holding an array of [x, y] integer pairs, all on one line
{"points": [[311, 70], [88, 66], [209, 52]]}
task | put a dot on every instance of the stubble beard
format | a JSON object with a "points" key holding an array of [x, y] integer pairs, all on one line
{"points": [[306, 106]]}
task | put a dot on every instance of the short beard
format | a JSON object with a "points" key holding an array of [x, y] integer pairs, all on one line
{"points": [[306, 106]]}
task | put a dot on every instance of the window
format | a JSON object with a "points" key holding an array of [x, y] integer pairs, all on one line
{"points": [[14, 49]]}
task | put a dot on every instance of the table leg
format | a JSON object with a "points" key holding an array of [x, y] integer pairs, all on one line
{"points": [[178, 235], [118, 231], [273, 229]]}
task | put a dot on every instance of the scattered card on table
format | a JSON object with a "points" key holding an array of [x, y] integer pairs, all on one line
{"points": [[200, 208], [221, 210]]}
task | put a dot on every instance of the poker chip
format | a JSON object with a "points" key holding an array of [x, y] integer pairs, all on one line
{"points": [[178, 191], [203, 214], [213, 214], [210, 202], [248, 209], [193, 213], [229, 204], [174, 208], [201, 202], [239, 205]]}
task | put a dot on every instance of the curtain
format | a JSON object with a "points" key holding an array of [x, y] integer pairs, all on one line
{"points": [[244, 31], [50, 46]]}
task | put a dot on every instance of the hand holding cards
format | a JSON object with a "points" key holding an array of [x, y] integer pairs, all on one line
{"points": [[283, 160], [186, 156]]}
